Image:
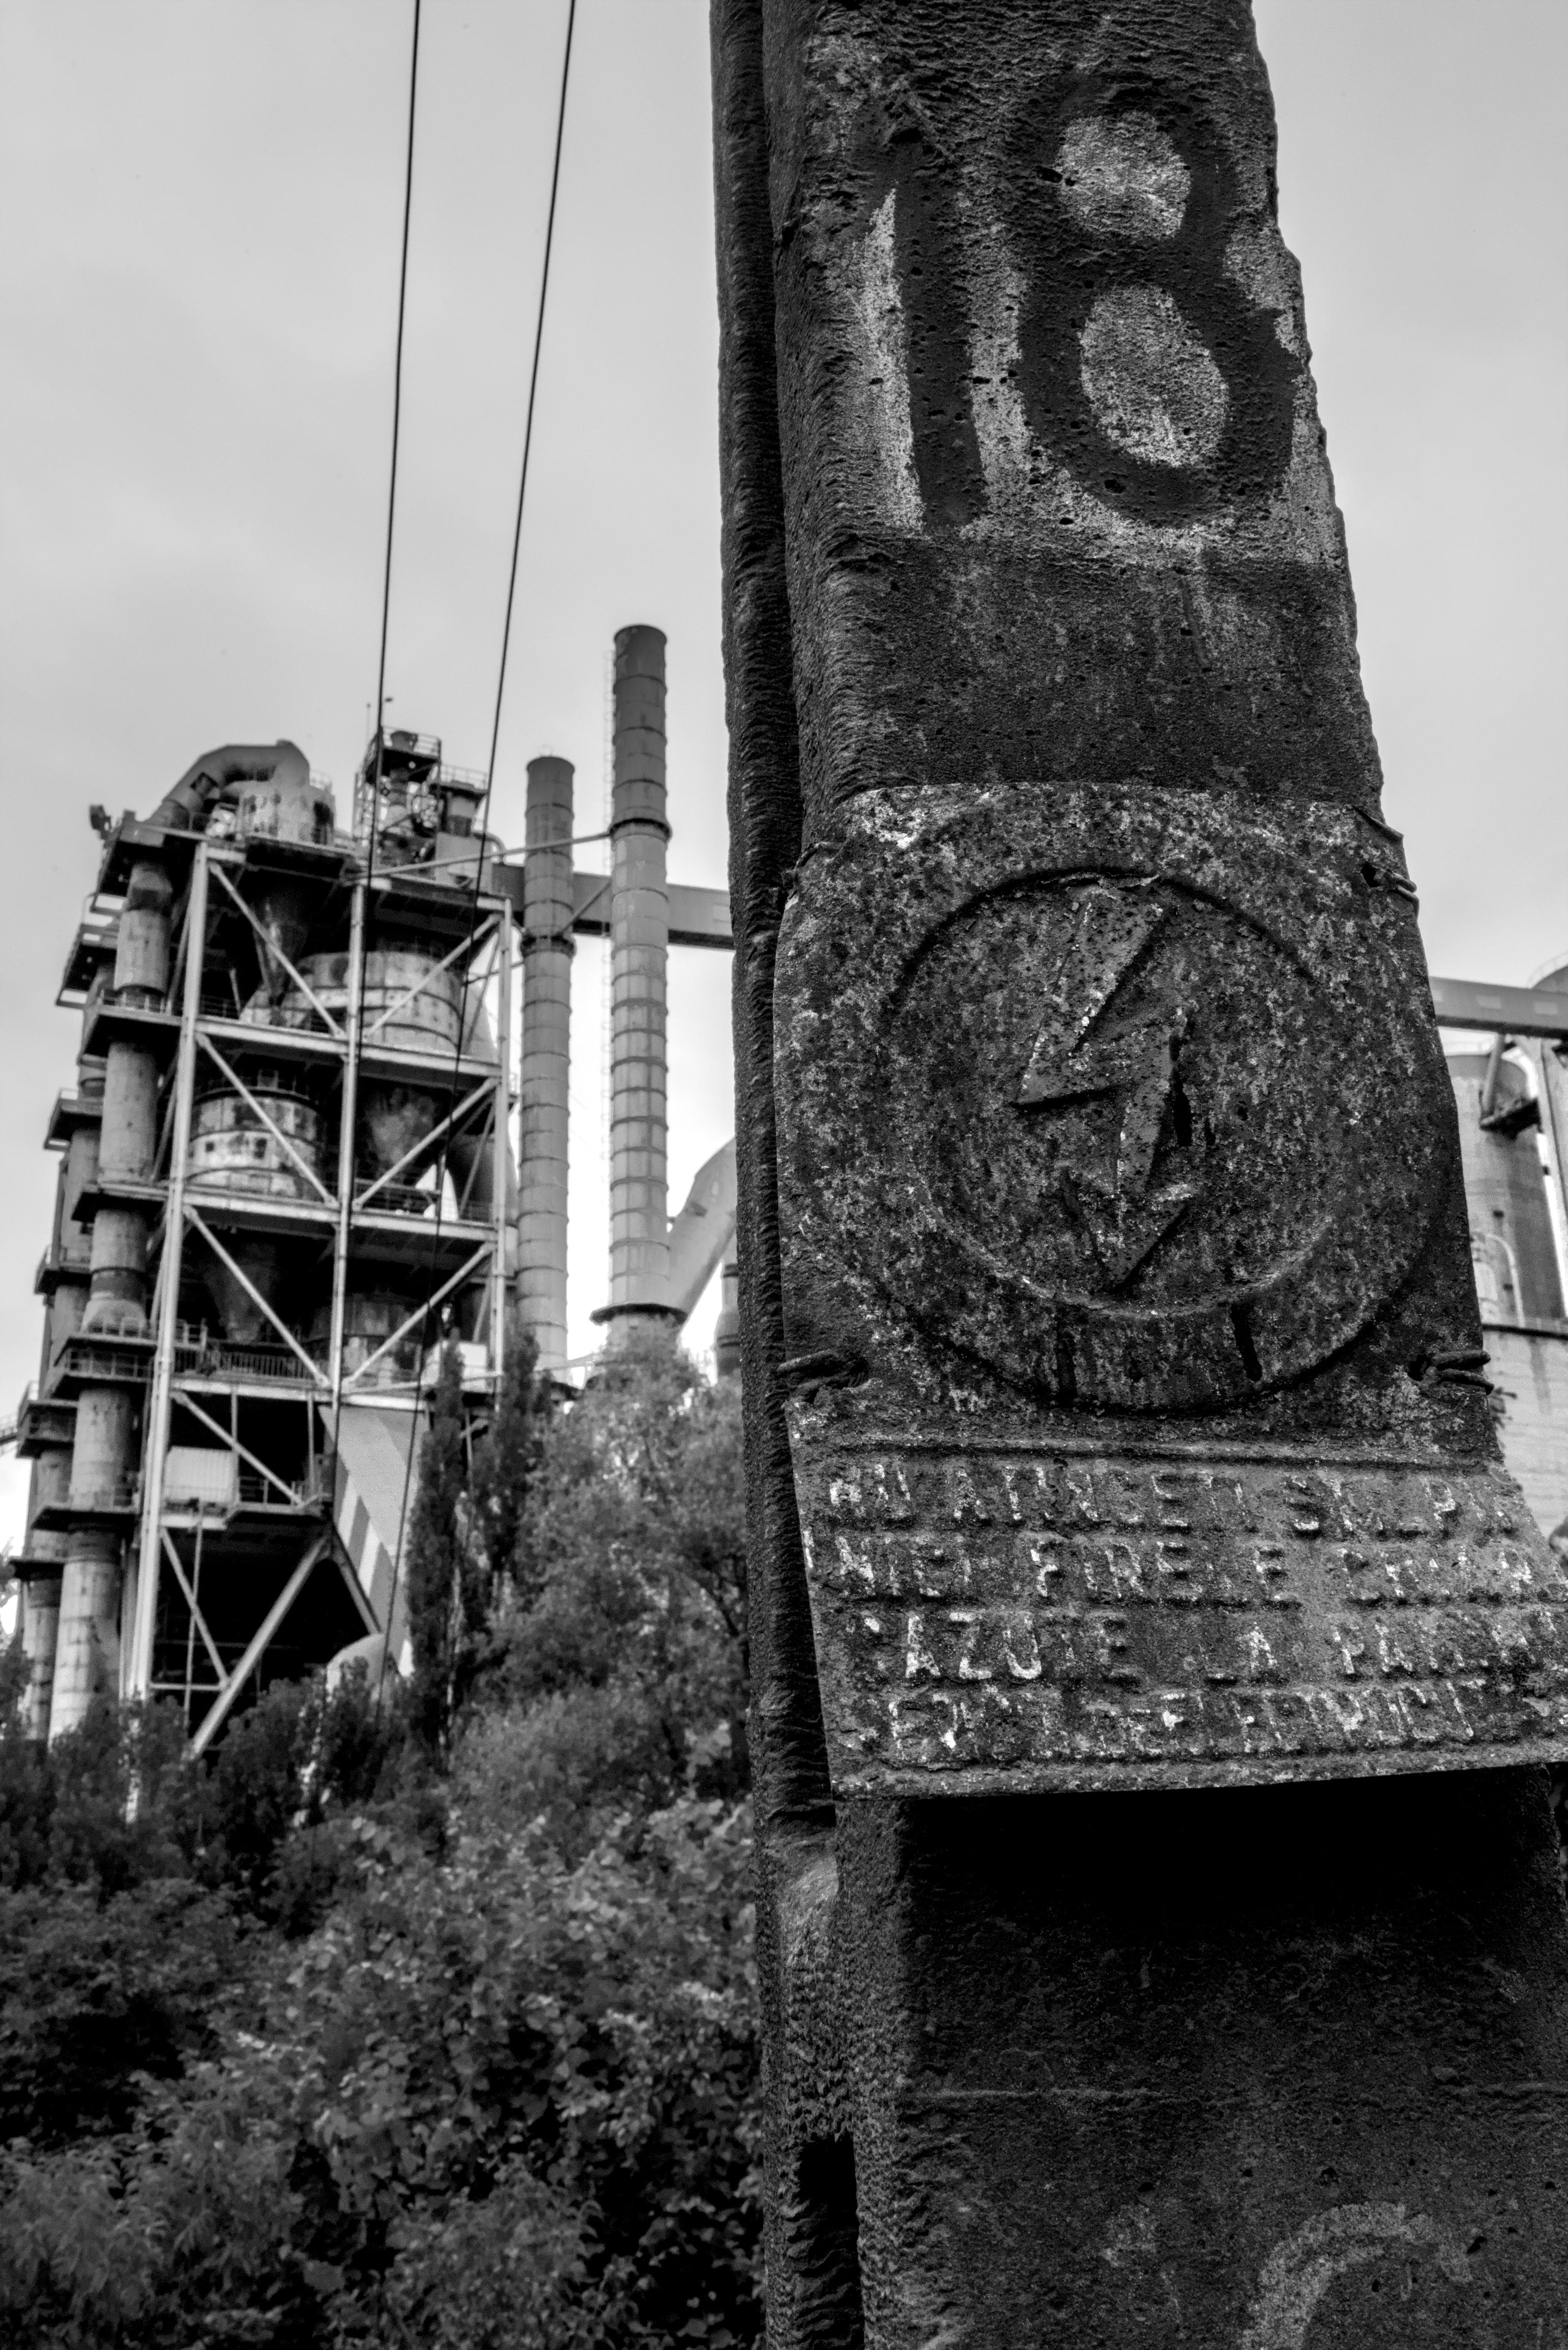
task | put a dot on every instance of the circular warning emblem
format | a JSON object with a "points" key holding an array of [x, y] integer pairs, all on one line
{"points": [[1125, 1100]]}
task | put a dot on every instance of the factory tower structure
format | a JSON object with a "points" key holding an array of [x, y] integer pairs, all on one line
{"points": [[288, 1176]]}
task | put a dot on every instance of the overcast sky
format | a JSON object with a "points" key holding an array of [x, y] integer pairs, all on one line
{"points": [[200, 203]]}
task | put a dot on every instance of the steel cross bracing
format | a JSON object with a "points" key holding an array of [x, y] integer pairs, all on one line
{"points": [[213, 1585], [205, 1573], [212, 1580]]}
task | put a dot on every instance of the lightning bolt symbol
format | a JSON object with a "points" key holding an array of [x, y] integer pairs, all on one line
{"points": [[1076, 1056]]}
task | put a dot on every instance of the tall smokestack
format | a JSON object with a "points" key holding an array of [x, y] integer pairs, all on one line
{"points": [[640, 930], [547, 949]]}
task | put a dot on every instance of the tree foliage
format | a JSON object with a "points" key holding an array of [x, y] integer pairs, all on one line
{"points": [[318, 2049], [435, 1555]]}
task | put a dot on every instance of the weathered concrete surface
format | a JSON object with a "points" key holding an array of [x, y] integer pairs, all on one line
{"points": [[1257, 2069], [1114, 1384]]}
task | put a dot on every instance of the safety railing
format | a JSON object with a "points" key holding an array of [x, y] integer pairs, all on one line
{"points": [[197, 1353]]}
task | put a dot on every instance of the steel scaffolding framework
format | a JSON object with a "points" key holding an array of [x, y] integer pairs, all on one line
{"points": [[212, 1577]]}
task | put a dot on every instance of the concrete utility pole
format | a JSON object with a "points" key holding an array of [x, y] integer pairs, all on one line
{"points": [[1160, 1929]]}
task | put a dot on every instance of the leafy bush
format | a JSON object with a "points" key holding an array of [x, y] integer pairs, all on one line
{"points": [[576, 2042], [572, 1760], [94, 1996], [316, 2045]]}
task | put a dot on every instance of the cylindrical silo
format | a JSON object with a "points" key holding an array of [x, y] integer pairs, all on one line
{"points": [[406, 1002], [640, 948], [546, 1069]]}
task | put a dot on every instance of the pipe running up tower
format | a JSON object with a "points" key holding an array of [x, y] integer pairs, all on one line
{"points": [[545, 1072], [87, 1638], [47, 1429], [640, 917]]}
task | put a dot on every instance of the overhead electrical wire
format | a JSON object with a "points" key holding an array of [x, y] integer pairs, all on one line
{"points": [[500, 698], [397, 426], [357, 1038], [532, 395]]}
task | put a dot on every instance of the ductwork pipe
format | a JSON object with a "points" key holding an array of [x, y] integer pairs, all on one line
{"points": [[117, 1296], [639, 944], [472, 1156], [267, 784], [283, 912], [116, 1301], [101, 1450], [50, 1483], [87, 1656], [62, 1319], [703, 1235], [129, 1132], [40, 1613], [142, 943], [40, 1643], [87, 1650], [72, 1233], [545, 1085]]}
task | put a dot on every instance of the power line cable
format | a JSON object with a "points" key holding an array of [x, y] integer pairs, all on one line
{"points": [[532, 395], [356, 1042], [397, 429], [495, 743]]}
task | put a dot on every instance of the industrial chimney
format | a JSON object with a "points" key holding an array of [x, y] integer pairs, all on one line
{"points": [[639, 933], [544, 1076]]}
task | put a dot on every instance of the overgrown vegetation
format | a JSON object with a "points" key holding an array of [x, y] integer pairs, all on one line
{"points": [[420, 2016]]}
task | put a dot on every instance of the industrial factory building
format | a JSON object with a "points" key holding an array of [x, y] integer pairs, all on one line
{"points": [[288, 1176]]}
